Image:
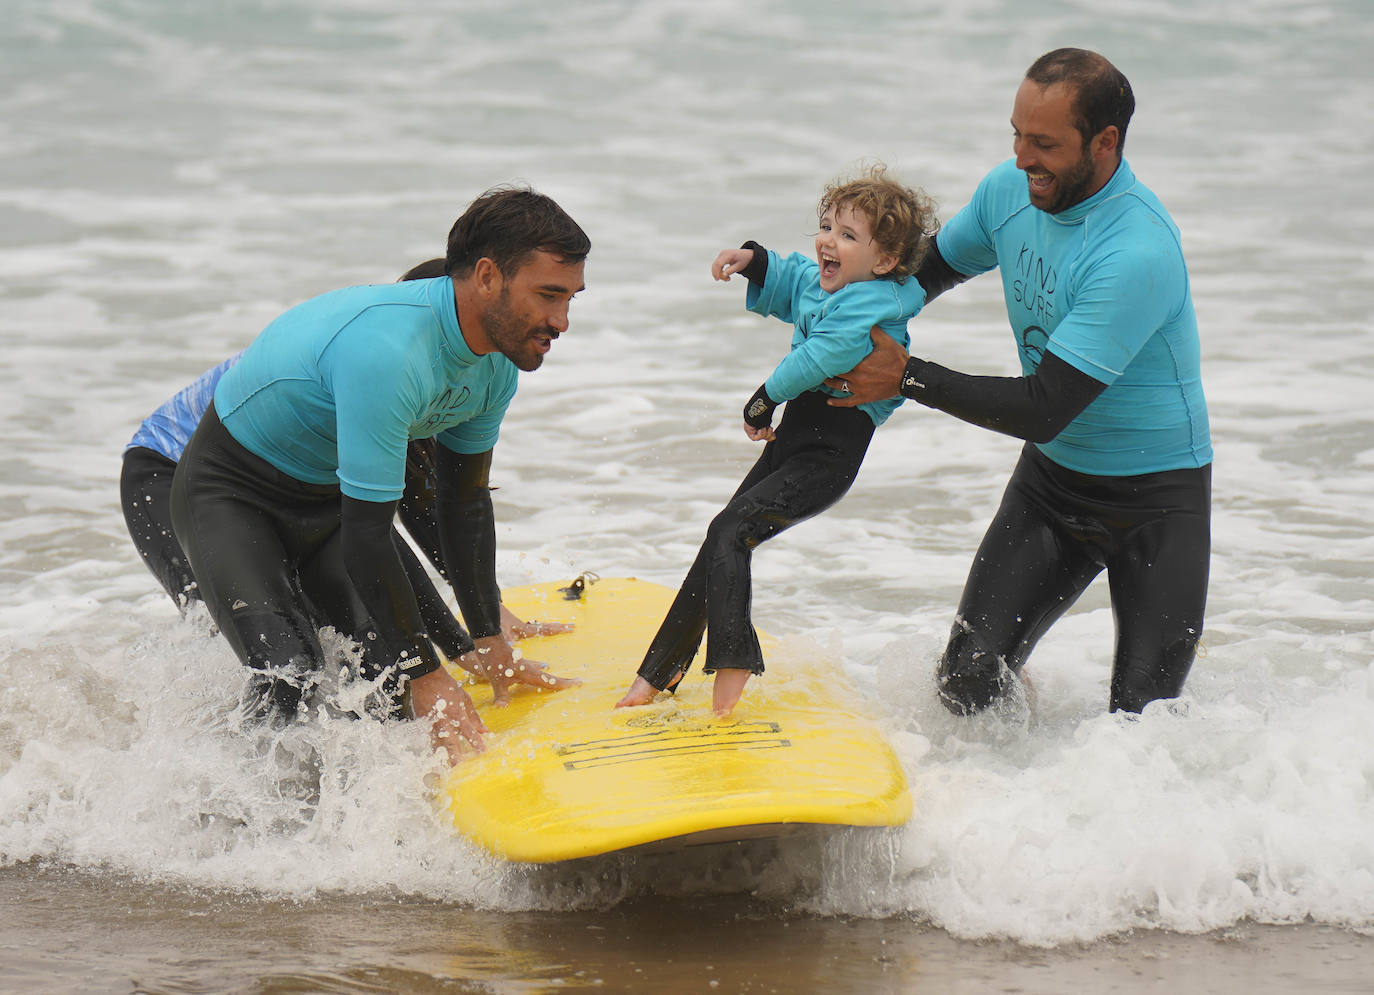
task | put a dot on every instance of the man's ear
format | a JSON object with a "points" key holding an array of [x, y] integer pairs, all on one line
{"points": [[1104, 143], [487, 279]]}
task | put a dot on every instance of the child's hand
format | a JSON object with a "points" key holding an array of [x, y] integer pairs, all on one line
{"points": [[758, 415], [731, 261]]}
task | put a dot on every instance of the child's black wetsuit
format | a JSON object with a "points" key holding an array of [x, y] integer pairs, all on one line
{"points": [[808, 467]]}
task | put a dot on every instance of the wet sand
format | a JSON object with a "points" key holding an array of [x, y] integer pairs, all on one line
{"points": [[67, 931]]}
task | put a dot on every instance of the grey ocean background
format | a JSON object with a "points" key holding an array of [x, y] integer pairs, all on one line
{"points": [[173, 175]]}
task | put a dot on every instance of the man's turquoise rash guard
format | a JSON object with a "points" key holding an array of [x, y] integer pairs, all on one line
{"points": [[830, 331], [335, 388], [1104, 287]]}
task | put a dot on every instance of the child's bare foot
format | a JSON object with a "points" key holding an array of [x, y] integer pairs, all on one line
{"points": [[641, 693], [727, 689]]}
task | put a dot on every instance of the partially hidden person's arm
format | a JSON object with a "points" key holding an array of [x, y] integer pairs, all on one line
{"points": [[444, 630], [467, 531], [467, 534]]}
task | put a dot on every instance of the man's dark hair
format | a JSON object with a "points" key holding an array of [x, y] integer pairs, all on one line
{"points": [[1102, 95], [506, 224]]}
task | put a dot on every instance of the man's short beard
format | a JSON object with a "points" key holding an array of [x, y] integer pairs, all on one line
{"points": [[1073, 185], [509, 334]]}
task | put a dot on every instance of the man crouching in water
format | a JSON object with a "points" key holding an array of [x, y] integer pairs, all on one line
{"points": [[292, 478]]}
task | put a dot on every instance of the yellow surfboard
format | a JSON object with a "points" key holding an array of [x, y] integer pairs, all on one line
{"points": [[566, 775]]}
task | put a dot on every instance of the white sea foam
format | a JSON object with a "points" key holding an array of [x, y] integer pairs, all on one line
{"points": [[174, 178]]}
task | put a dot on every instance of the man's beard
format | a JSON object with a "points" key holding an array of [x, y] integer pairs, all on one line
{"points": [[1071, 187], [512, 336]]}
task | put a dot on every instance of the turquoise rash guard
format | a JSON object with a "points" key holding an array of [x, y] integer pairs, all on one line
{"points": [[1103, 286], [334, 389], [830, 331]]}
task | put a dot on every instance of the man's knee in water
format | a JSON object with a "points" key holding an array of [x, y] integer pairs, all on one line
{"points": [[1136, 682], [273, 697], [970, 678], [284, 660]]}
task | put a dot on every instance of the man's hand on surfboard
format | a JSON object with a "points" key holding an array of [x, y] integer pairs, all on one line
{"points": [[439, 698], [513, 627], [498, 665]]}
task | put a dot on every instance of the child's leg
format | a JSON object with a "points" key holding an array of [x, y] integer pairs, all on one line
{"points": [[801, 488], [726, 691], [809, 480], [677, 639], [675, 644], [809, 467], [819, 450]]}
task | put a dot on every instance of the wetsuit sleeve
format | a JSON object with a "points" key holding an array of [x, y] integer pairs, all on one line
{"points": [[1035, 408], [467, 533], [758, 411], [378, 574], [935, 274], [757, 270]]}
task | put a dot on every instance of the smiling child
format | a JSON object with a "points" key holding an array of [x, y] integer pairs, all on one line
{"points": [[873, 234]]}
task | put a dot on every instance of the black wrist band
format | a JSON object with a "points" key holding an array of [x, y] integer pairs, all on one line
{"points": [[757, 270], [913, 379], [758, 412]]}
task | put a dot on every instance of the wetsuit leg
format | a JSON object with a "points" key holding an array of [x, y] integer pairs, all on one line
{"points": [[1055, 531], [334, 601], [806, 469], [246, 527], [1158, 579], [1026, 574], [145, 486], [675, 644]]}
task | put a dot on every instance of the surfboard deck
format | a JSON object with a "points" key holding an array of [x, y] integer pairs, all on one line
{"points": [[566, 775]]}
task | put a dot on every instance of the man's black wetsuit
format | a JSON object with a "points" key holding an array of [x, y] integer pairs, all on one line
{"points": [[145, 485], [1057, 529]]}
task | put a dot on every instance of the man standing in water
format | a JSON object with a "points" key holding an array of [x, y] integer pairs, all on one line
{"points": [[1116, 473], [292, 479]]}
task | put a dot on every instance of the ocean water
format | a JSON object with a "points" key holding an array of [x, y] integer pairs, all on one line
{"points": [[174, 175]]}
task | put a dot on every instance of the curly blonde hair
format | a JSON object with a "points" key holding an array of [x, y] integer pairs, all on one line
{"points": [[901, 218]]}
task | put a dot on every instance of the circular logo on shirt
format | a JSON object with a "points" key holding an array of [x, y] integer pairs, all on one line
{"points": [[1033, 342]]}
